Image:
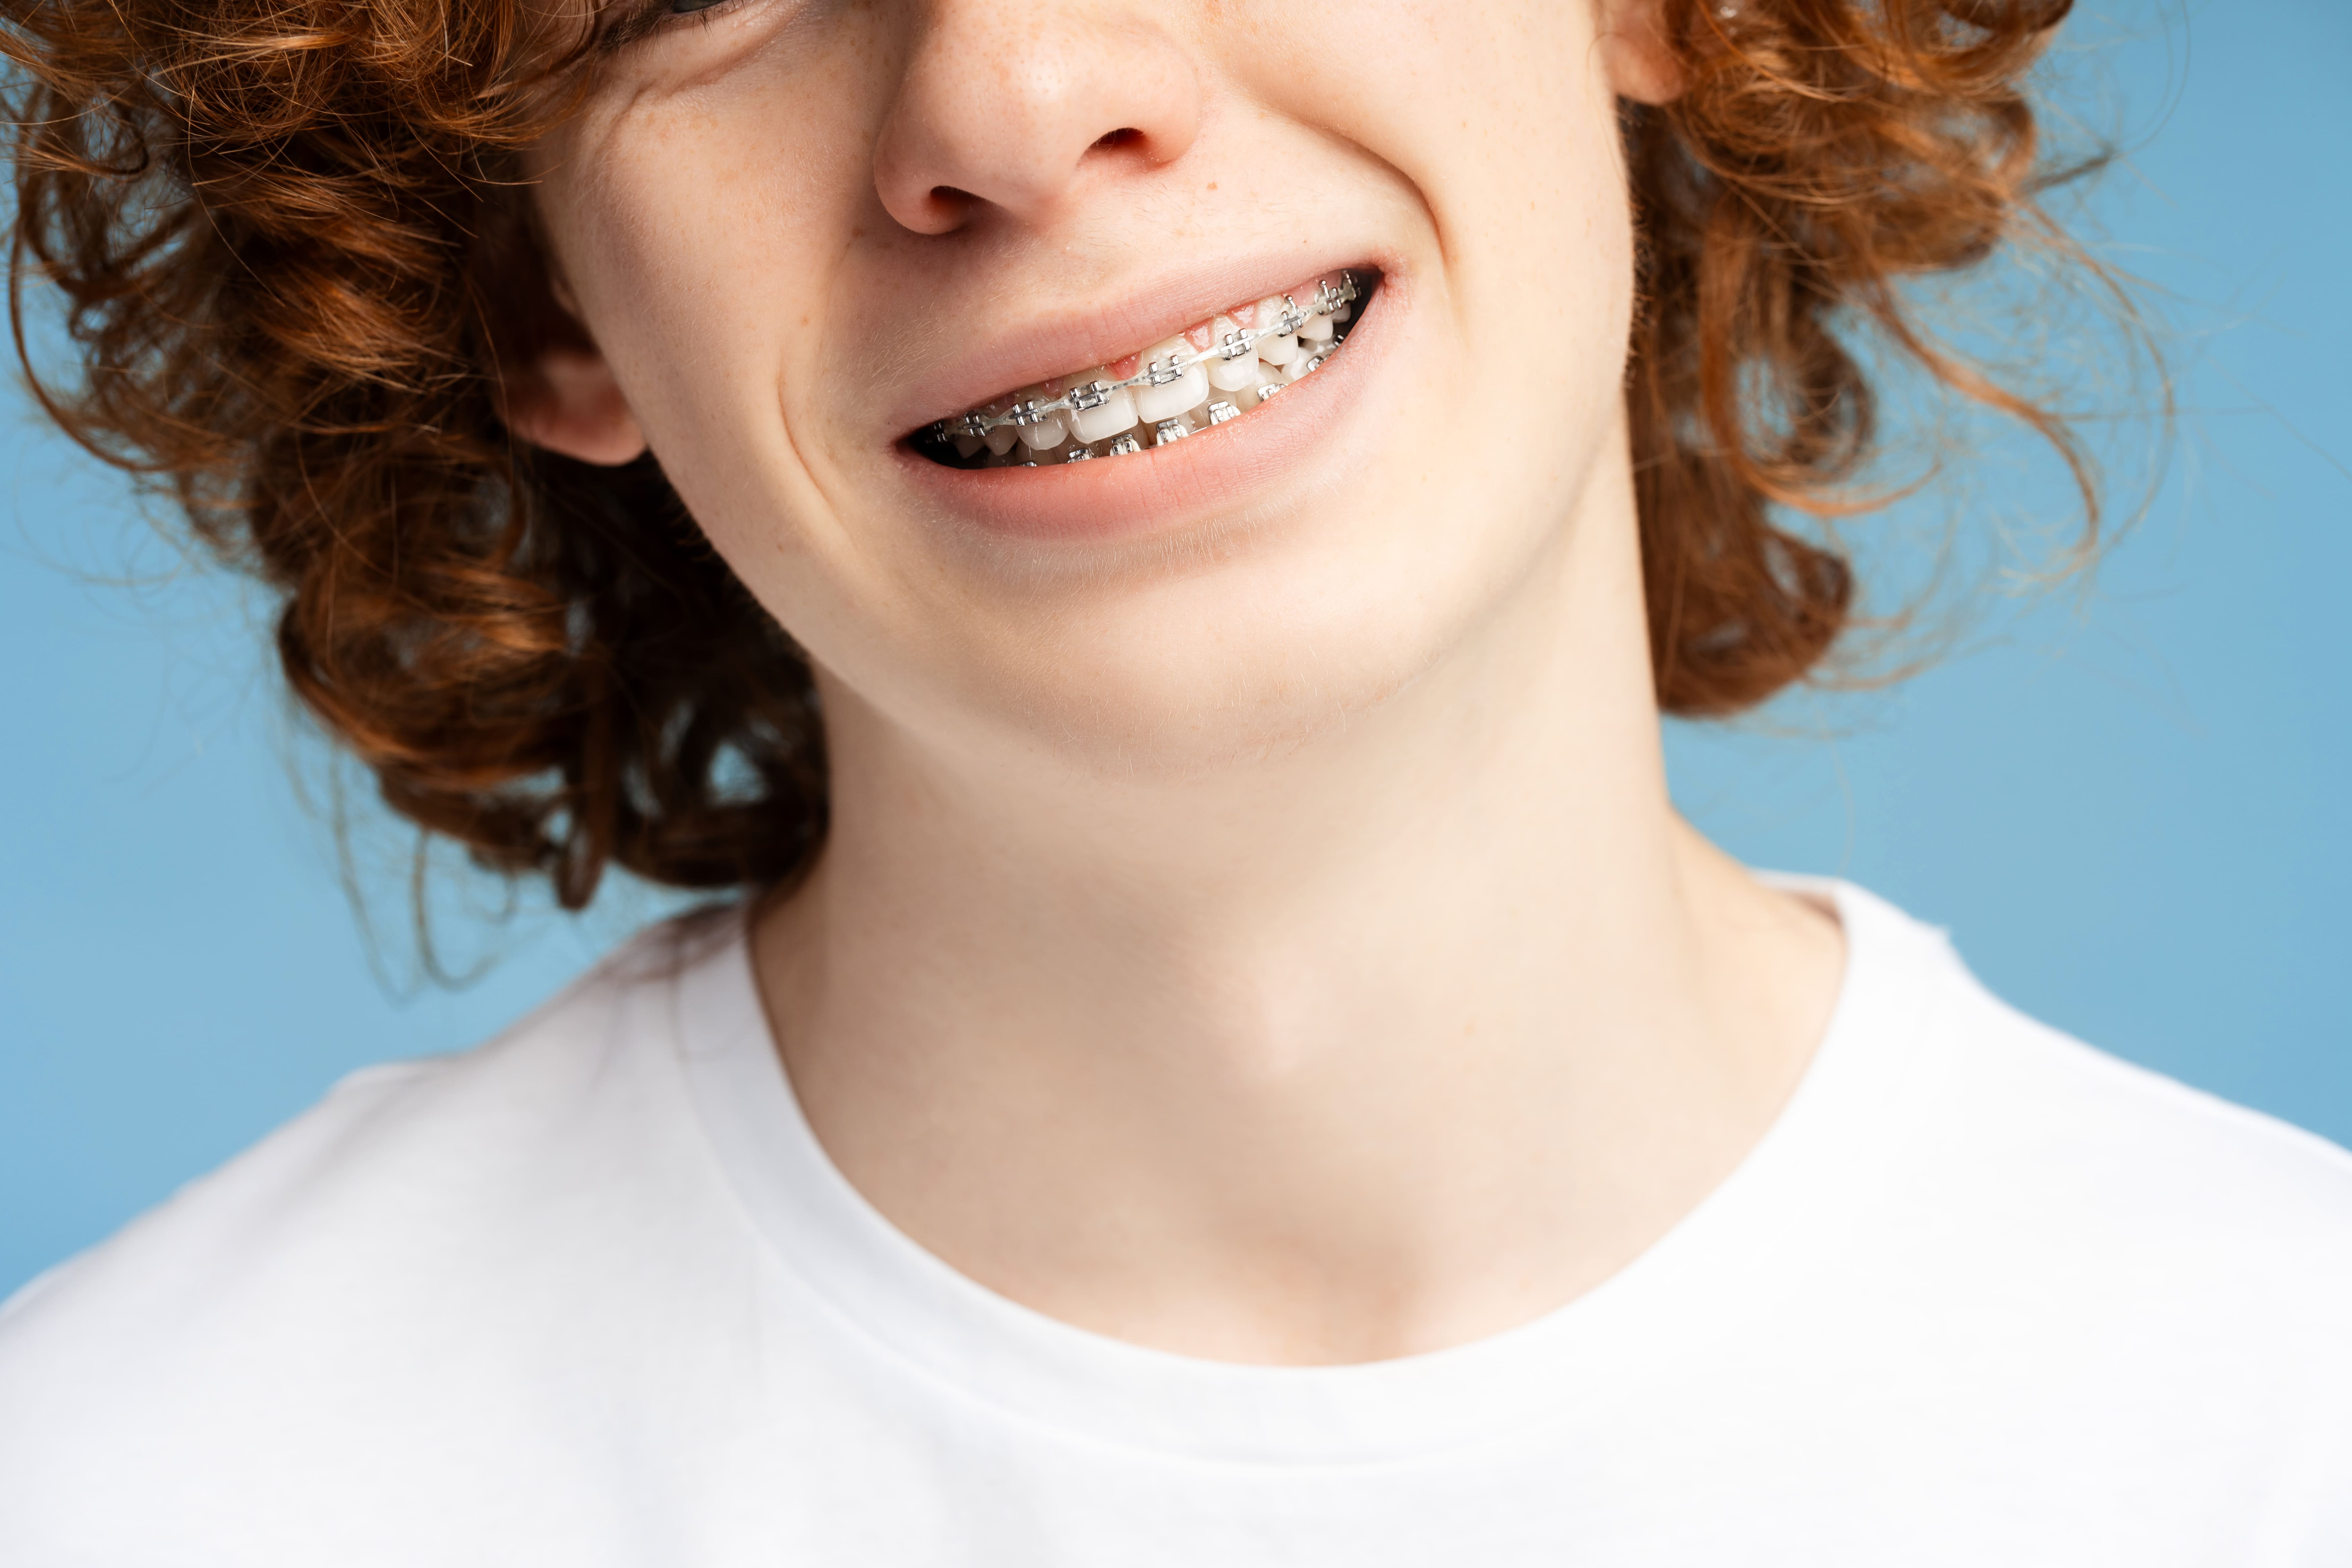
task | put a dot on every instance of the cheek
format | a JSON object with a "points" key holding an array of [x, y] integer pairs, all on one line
{"points": [[704, 246], [1500, 118], [1499, 121], [703, 243]]}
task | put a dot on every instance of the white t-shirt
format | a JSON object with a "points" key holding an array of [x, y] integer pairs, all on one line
{"points": [[592, 1295]]}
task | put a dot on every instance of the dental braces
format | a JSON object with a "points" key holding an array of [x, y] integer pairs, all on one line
{"points": [[1329, 300]]}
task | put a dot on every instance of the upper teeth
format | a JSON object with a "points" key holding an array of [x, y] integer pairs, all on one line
{"points": [[1175, 378]]}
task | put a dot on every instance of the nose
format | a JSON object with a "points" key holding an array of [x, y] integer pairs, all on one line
{"points": [[1015, 109]]}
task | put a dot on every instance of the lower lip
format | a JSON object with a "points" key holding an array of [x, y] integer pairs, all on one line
{"points": [[1185, 484]]}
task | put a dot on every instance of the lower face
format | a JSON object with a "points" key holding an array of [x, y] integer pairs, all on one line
{"points": [[1194, 454]]}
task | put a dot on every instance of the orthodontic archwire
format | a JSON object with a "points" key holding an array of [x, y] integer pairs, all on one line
{"points": [[1329, 300]]}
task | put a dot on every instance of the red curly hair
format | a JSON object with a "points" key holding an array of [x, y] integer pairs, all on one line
{"points": [[294, 257]]}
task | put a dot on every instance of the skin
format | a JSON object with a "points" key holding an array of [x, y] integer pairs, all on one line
{"points": [[1262, 933]]}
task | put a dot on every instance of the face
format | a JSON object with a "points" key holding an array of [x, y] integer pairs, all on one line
{"points": [[802, 232]]}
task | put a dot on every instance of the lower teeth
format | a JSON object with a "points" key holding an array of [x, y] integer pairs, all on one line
{"points": [[963, 443]]}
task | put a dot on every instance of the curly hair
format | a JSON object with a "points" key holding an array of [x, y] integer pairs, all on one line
{"points": [[294, 256]]}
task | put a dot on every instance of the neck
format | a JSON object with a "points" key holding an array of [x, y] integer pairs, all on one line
{"points": [[1398, 1037]]}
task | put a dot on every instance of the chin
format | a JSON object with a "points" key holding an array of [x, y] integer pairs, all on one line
{"points": [[1240, 662]]}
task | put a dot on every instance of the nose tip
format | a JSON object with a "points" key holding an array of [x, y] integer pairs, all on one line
{"points": [[1014, 119]]}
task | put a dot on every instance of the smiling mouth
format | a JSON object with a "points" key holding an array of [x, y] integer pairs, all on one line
{"points": [[1211, 373]]}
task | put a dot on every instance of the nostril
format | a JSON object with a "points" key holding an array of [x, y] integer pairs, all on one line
{"points": [[1125, 136]]}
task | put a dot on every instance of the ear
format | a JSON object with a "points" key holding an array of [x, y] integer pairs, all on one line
{"points": [[1634, 50], [567, 401]]}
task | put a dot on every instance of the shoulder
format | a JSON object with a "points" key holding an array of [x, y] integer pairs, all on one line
{"points": [[2123, 1140], [455, 1149], [417, 1254], [2101, 1294], [2090, 1184]]}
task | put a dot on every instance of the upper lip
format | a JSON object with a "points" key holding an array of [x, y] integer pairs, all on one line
{"points": [[1052, 339]]}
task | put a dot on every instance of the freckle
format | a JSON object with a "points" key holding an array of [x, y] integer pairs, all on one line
{"points": [[1213, 185], [805, 321]]}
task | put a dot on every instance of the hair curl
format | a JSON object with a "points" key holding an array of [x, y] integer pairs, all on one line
{"points": [[294, 256]]}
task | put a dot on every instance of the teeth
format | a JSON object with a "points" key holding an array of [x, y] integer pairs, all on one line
{"points": [[1038, 432], [1238, 371], [1173, 386], [1099, 408], [1272, 312], [1215, 372]]}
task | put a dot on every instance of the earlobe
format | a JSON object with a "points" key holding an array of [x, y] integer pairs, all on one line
{"points": [[569, 403], [1634, 50]]}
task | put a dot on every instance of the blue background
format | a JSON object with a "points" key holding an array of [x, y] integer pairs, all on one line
{"points": [[2127, 802]]}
